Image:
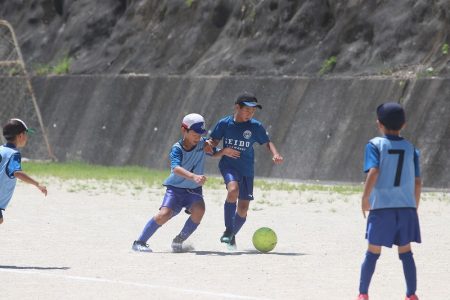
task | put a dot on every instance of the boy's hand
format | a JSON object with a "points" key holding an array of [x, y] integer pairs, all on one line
{"points": [[277, 159], [208, 147], [230, 152], [42, 188], [199, 179], [365, 206]]}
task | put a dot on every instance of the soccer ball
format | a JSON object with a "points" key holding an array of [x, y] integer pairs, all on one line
{"points": [[264, 239]]}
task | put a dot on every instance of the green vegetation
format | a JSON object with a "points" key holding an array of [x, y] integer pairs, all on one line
{"points": [[141, 177], [189, 2], [328, 65], [444, 49], [428, 72], [61, 67]]}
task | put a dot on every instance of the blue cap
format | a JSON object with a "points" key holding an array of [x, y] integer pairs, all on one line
{"points": [[391, 115], [248, 100]]}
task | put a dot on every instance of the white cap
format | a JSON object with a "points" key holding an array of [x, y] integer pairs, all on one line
{"points": [[194, 122]]}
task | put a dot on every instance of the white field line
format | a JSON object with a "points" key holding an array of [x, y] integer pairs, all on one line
{"points": [[130, 283]]}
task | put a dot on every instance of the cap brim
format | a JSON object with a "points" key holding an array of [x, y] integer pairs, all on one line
{"points": [[251, 104], [200, 131], [30, 131]]}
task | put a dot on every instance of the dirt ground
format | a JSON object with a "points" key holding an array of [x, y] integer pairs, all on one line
{"points": [[75, 244]]}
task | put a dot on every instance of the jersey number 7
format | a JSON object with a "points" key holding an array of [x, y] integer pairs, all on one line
{"points": [[398, 173]]}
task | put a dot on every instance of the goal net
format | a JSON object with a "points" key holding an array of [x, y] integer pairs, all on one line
{"points": [[17, 99]]}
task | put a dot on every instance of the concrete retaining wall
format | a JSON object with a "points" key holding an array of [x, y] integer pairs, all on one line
{"points": [[320, 125]]}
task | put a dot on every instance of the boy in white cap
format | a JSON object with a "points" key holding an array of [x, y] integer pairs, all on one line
{"points": [[15, 133], [184, 184]]}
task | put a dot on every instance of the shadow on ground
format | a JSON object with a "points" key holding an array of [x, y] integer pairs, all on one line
{"points": [[33, 268], [249, 252]]}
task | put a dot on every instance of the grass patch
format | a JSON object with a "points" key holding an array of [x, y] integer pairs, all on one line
{"points": [[140, 177], [328, 65], [61, 67]]}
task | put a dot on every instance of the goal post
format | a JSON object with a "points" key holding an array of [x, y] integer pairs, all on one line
{"points": [[17, 97]]}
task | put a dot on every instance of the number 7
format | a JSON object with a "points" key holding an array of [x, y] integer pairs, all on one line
{"points": [[398, 173]]}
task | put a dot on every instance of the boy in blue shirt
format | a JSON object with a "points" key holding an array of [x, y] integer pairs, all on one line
{"points": [[15, 133], [184, 184], [391, 194], [239, 132]]}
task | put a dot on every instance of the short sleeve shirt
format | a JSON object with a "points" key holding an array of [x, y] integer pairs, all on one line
{"points": [[240, 136]]}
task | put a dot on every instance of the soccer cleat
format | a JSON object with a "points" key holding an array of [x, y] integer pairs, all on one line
{"points": [[227, 236], [139, 246], [363, 297], [412, 297], [177, 244], [232, 246]]}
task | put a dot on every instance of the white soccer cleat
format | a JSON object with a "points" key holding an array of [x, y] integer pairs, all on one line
{"points": [[139, 246]]}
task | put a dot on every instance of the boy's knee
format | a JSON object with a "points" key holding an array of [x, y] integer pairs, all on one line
{"points": [[1, 220], [163, 216]]}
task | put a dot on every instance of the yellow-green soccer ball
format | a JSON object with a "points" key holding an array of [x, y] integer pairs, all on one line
{"points": [[264, 239]]}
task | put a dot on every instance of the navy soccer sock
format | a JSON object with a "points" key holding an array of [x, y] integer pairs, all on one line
{"points": [[367, 269], [409, 269], [188, 229], [238, 222], [149, 229], [229, 212]]}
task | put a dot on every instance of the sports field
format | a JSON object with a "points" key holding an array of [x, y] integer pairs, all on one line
{"points": [[75, 244]]}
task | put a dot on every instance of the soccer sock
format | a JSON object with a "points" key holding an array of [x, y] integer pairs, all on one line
{"points": [[367, 269], [149, 229], [409, 269], [188, 229], [238, 222], [229, 209]]}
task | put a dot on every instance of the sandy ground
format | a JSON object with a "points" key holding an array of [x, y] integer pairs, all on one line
{"points": [[75, 244]]}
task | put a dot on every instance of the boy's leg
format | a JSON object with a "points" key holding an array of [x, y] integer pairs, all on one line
{"points": [[1, 216], [154, 223], [197, 210], [229, 209], [409, 269], [245, 196], [241, 215], [368, 268]]}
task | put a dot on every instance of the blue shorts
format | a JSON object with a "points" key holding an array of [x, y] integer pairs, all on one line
{"points": [[177, 198], [393, 226], [245, 183]]}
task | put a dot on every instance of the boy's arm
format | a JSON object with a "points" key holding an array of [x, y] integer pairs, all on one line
{"points": [[230, 152], [371, 179], [24, 177], [180, 171], [418, 190], [276, 157]]}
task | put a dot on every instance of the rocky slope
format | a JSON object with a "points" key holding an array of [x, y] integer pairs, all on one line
{"points": [[222, 37]]}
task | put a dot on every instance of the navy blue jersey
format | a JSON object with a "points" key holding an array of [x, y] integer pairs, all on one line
{"points": [[398, 163], [240, 136], [10, 162]]}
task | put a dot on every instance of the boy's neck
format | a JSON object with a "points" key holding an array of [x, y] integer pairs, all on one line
{"points": [[391, 132], [11, 144]]}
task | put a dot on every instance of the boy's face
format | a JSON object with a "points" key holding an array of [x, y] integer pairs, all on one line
{"points": [[190, 137], [21, 139], [244, 113]]}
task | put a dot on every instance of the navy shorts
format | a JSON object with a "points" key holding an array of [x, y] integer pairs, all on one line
{"points": [[393, 226], [177, 198], [245, 183]]}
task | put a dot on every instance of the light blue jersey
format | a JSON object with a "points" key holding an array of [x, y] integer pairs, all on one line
{"points": [[398, 163], [192, 160], [10, 163], [240, 136]]}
